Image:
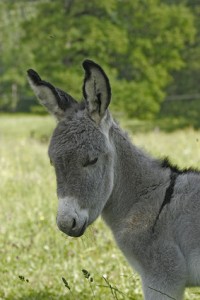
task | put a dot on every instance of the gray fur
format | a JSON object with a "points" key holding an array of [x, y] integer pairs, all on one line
{"points": [[99, 171]]}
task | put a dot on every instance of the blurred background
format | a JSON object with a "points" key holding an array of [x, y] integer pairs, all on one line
{"points": [[150, 50]]}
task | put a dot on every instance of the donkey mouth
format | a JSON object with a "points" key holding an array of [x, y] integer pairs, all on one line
{"points": [[80, 232]]}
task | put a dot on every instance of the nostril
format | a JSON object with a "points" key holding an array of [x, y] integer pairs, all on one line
{"points": [[74, 223]]}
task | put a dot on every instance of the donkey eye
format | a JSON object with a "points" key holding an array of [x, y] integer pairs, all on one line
{"points": [[90, 162], [51, 162]]}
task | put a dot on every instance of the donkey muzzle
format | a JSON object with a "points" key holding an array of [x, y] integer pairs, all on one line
{"points": [[71, 219]]}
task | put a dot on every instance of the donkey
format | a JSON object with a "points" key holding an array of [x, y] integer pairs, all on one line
{"points": [[152, 207]]}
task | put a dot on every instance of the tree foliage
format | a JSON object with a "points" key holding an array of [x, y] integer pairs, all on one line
{"points": [[186, 80], [139, 43]]}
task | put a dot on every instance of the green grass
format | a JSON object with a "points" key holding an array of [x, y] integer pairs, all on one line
{"points": [[34, 254]]}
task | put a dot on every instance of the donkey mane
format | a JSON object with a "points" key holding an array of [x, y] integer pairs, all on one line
{"points": [[165, 163]]}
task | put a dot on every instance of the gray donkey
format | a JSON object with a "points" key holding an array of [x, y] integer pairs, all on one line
{"points": [[152, 208]]}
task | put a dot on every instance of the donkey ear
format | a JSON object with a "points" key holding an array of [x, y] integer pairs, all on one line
{"points": [[55, 100], [96, 90]]}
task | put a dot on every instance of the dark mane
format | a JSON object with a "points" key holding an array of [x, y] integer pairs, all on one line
{"points": [[165, 163]]}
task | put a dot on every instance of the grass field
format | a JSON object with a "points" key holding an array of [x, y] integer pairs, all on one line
{"points": [[34, 255]]}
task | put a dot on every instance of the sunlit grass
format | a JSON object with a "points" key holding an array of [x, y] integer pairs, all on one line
{"points": [[35, 256]]}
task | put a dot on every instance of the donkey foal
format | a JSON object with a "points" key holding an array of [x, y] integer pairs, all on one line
{"points": [[151, 207]]}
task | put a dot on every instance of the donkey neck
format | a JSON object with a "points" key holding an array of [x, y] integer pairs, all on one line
{"points": [[137, 178]]}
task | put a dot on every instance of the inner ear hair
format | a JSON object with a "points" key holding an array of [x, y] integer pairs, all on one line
{"points": [[96, 89]]}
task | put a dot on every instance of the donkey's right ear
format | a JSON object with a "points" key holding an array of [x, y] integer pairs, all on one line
{"points": [[55, 100]]}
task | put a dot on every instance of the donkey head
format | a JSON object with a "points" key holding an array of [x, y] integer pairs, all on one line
{"points": [[80, 149]]}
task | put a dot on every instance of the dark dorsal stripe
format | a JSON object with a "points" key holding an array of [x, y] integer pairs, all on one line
{"points": [[168, 195]]}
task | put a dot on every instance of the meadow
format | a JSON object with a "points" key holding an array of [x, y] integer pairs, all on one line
{"points": [[37, 262]]}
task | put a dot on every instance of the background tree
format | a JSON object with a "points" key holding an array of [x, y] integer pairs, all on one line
{"points": [[14, 56], [139, 43], [186, 80]]}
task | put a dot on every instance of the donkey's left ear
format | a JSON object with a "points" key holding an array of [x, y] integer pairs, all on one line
{"points": [[96, 90]]}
